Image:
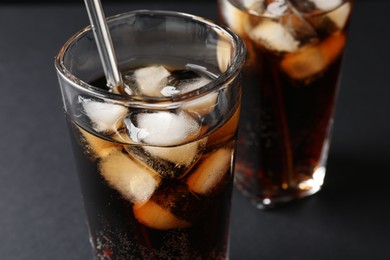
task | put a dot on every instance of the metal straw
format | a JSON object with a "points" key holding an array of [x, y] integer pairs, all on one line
{"points": [[104, 43]]}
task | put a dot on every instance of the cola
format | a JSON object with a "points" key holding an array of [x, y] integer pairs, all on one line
{"points": [[162, 195], [290, 85]]}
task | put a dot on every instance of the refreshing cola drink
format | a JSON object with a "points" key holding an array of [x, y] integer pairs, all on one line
{"points": [[158, 199], [155, 156], [290, 85]]}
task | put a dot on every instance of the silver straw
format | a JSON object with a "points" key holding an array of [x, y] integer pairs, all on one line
{"points": [[104, 43]]}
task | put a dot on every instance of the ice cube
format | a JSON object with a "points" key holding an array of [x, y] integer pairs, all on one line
{"points": [[305, 63], [172, 205], [103, 116], [192, 84], [340, 15], [250, 4], [211, 171], [313, 59], [315, 6], [162, 128], [99, 147], [277, 8], [201, 105], [234, 17], [327, 5], [274, 36], [325, 15], [151, 80], [154, 216], [191, 78], [179, 155], [169, 162], [133, 181]]}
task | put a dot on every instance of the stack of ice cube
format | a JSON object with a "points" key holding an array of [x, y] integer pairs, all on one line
{"points": [[160, 144]]}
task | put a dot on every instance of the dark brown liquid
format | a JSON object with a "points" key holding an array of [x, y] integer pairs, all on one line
{"points": [[286, 119], [117, 233], [281, 140]]}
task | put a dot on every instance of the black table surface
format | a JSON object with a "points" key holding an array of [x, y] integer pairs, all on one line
{"points": [[41, 213]]}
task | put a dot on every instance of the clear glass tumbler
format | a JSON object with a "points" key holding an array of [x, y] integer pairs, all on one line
{"points": [[155, 163], [290, 83]]}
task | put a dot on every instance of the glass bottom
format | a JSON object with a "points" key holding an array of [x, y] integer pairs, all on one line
{"points": [[265, 200]]}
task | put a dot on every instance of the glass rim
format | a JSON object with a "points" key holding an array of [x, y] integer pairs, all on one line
{"points": [[229, 74]]}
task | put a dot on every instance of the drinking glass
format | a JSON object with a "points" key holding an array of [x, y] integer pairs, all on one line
{"points": [[290, 84], [155, 158]]}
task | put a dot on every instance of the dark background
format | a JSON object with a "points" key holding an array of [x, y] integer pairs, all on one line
{"points": [[41, 213], [104, 2]]}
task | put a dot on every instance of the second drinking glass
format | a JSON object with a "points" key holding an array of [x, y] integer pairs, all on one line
{"points": [[291, 76]]}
